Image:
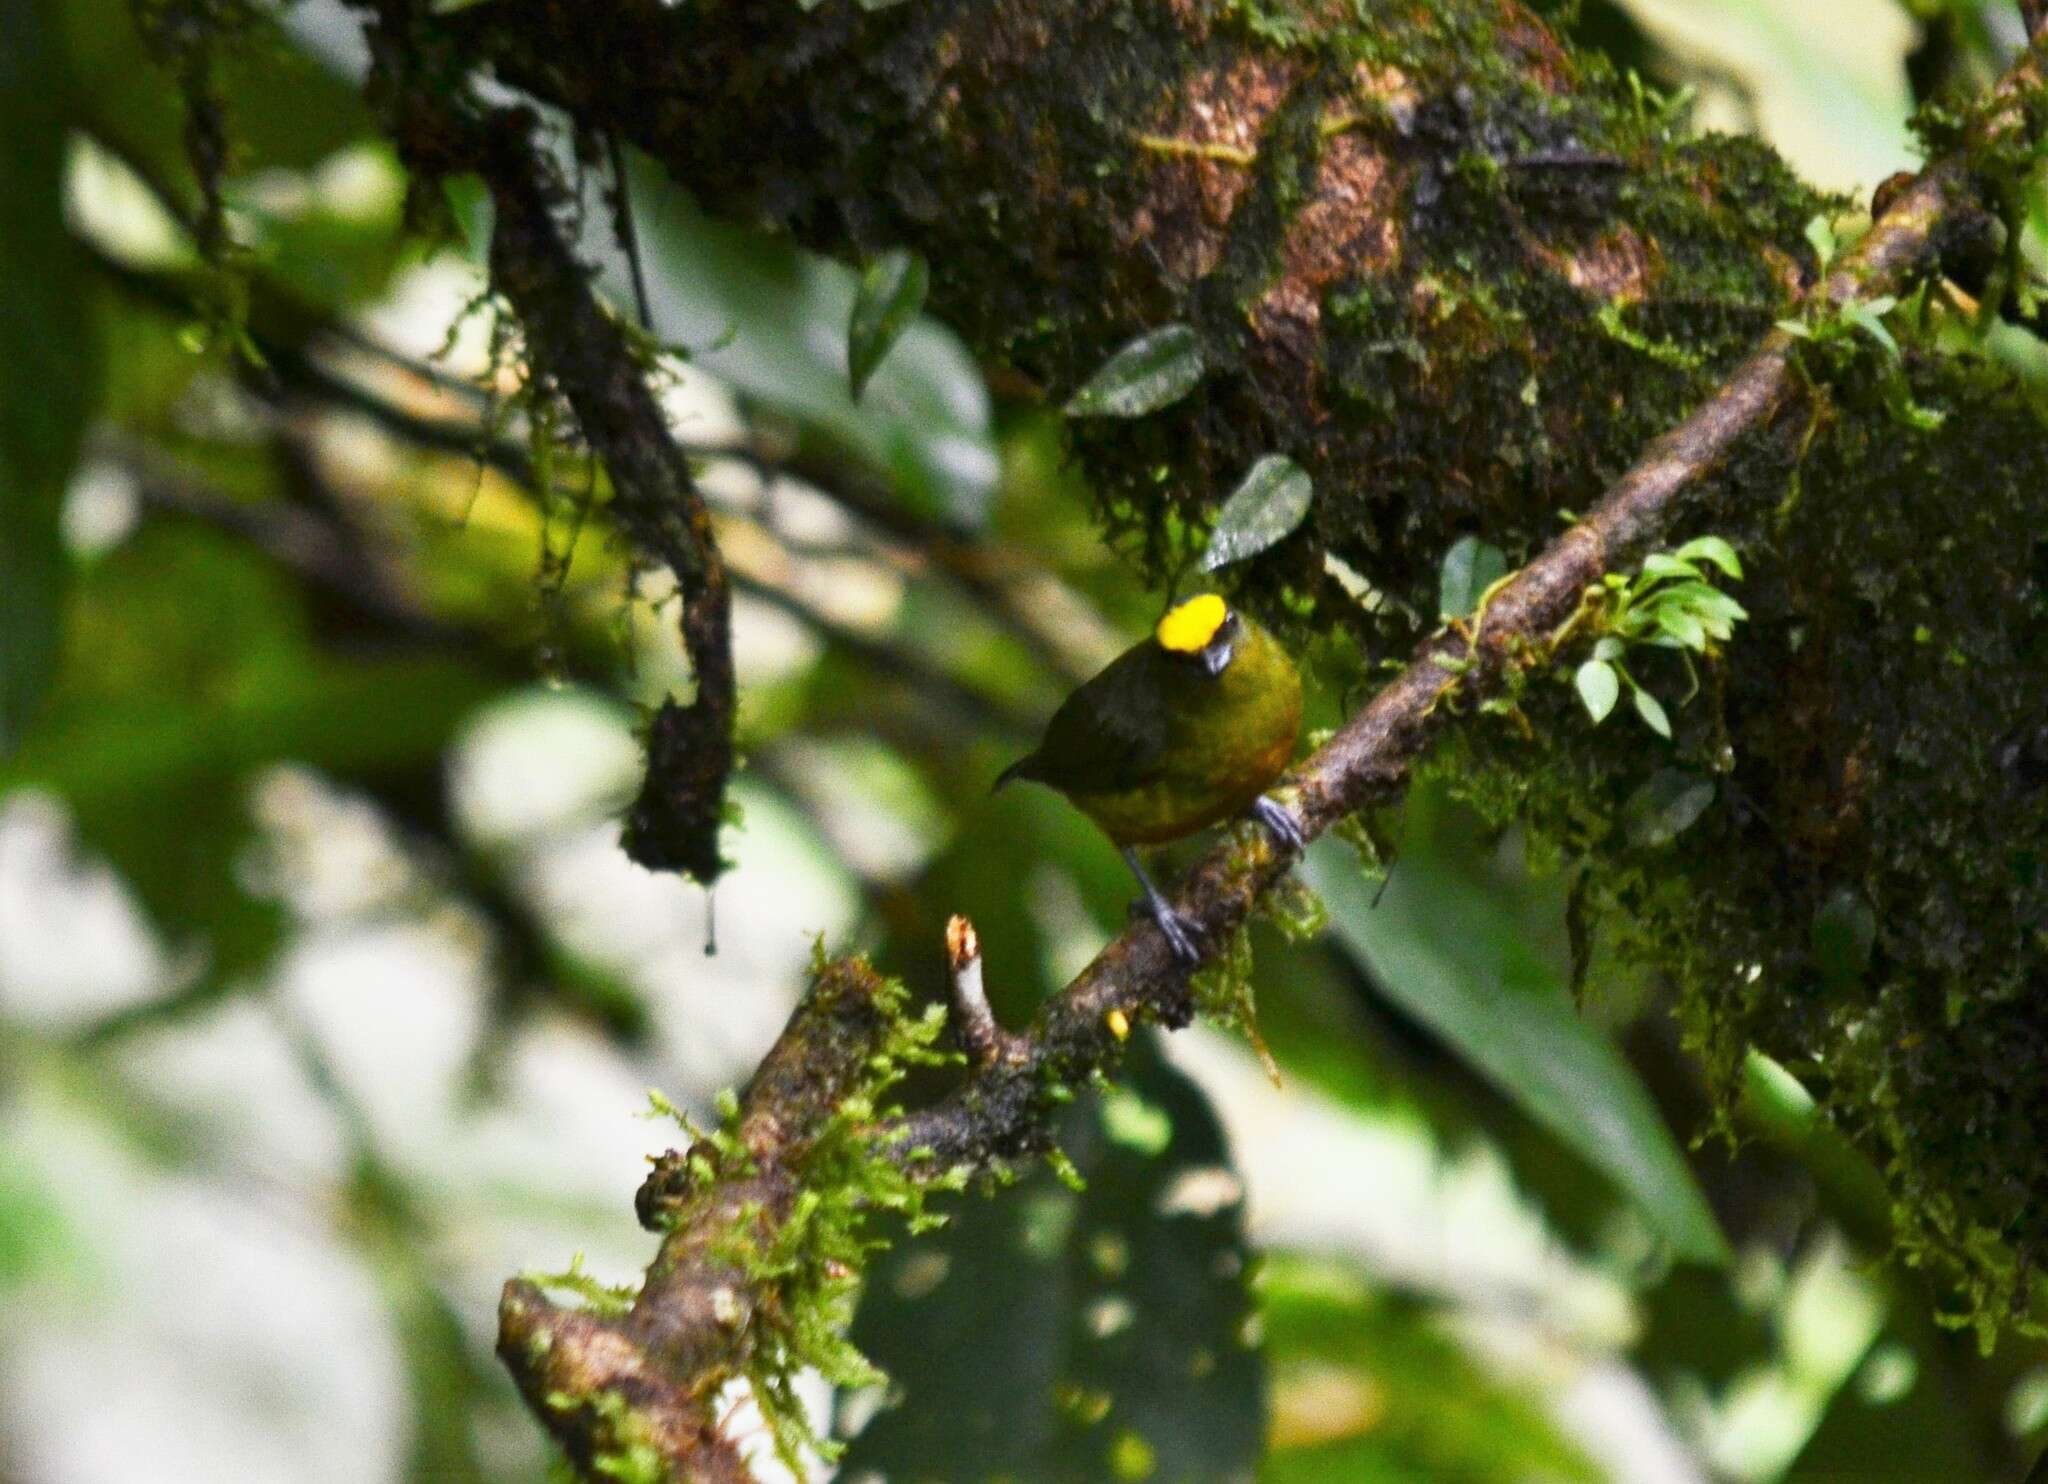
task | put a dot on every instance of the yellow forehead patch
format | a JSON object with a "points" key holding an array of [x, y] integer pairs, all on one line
{"points": [[1189, 628]]}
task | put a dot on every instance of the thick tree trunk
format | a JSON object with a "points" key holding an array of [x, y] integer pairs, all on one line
{"points": [[1396, 238]]}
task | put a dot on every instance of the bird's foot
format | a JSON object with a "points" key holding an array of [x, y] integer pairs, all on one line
{"points": [[1281, 824], [1183, 933]]}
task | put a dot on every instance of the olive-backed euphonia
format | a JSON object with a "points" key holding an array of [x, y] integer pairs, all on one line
{"points": [[1183, 729]]}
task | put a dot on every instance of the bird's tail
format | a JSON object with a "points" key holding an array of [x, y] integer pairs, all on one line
{"points": [[1024, 767]]}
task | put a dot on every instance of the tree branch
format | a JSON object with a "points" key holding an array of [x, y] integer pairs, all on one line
{"points": [[580, 350]]}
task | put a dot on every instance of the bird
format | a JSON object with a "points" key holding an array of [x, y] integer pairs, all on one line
{"points": [[1185, 728]]}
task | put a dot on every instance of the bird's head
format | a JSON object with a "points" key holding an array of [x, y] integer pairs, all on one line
{"points": [[1202, 631]]}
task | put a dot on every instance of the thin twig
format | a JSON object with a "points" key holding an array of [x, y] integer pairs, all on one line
{"points": [[985, 1041], [629, 236]]}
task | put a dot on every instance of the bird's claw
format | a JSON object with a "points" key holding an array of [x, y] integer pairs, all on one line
{"points": [[1183, 936], [1281, 824]]}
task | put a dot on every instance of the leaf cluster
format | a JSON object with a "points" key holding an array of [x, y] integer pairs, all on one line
{"points": [[1671, 603]]}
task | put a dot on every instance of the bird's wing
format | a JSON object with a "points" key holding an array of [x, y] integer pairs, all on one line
{"points": [[1109, 735]]}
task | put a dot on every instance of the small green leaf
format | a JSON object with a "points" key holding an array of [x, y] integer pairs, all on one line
{"points": [[891, 295], [1682, 629], [1798, 328], [1821, 233], [1153, 371], [475, 213], [1865, 318], [1599, 688], [1712, 549], [1261, 512], [1470, 567], [1668, 804], [1608, 648], [1659, 564], [1652, 712]]}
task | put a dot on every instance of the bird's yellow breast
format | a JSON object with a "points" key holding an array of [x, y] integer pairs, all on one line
{"points": [[1226, 744]]}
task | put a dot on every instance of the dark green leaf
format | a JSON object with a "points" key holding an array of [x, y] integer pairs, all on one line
{"points": [[1442, 945], [1153, 371], [1470, 567], [890, 299], [1047, 1336], [1668, 804], [1844, 932], [49, 360], [189, 668], [1261, 512]]}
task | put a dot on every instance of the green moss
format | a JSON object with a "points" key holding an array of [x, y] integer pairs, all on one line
{"points": [[803, 1262], [1864, 901]]}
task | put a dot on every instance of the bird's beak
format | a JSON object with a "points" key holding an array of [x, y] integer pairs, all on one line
{"points": [[1217, 656]]}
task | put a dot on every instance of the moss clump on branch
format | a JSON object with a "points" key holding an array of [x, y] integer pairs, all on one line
{"points": [[803, 1264], [768, 1219], [1865, 898]]}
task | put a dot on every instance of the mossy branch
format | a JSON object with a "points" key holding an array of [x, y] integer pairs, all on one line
{"points": [[766, 1223], [577, 349]]}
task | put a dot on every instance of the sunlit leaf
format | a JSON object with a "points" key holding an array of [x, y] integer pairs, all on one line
{"points": [[1661, 564], [1261, 512], [1470, 567], [475, 213], [1599, 687], [1712, 549], [1823, 80], [890, 297], [1153, 371], [1443, 947], [1370, 1386]]}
